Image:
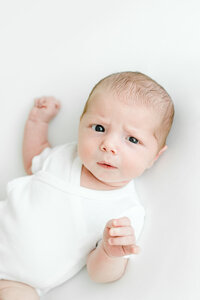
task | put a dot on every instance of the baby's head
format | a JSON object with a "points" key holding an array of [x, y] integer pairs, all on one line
{"points": [[125, 123]]}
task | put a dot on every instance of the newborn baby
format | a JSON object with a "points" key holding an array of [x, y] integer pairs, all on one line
{"points": [[78, 206]]}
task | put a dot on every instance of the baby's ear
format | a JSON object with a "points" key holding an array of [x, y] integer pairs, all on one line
{"points": [[160, 152], [157, 156]]}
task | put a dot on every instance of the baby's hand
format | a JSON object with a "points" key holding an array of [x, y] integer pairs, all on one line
{"points": [[119, 238], [45, 109]]}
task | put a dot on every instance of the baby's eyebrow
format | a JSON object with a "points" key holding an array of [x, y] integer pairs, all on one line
{"points": [[133, 129], [99, 117], [139, 133]]}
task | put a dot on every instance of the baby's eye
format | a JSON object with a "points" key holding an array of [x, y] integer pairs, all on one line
{"points": [[133, 140], [98, 128]]}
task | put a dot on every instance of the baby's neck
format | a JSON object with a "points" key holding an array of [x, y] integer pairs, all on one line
{"points": [[88, 180]]}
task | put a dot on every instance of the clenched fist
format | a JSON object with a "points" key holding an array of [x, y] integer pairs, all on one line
{"points": [[119, 238], [45, 109]]}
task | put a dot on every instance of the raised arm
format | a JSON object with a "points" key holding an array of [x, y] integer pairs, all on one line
{"points": [[106, 263], [36, 129]]}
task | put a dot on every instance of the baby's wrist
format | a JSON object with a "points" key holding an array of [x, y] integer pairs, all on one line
{"points": [[37, 122], [34, 119]]}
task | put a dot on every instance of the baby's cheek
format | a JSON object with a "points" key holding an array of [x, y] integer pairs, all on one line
{"points": [[135, 168], [85, 152]]}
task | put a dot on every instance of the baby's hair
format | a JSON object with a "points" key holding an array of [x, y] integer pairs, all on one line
{"points": [[138, 88]]}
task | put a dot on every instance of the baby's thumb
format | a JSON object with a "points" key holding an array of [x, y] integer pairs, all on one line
{"points": [[57, 104], [136, 249]]}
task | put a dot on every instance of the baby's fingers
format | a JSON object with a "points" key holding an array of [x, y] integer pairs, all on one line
{"points": [[40, 103], [131, 249], [44, 102], [123, 241], [121, 231], [127, 244]]}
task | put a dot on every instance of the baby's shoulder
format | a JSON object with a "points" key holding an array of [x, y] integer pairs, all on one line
{"points": [[59, 160], [63, 153]]}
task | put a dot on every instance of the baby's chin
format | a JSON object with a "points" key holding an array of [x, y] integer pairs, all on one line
{"points": [[120, 183], [114, 183], [109, 181]]}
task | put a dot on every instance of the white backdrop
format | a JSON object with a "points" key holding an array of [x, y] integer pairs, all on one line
{"points": [[62, 48]]}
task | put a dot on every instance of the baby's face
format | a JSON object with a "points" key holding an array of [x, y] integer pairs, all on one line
{"points": [[116, 140]]}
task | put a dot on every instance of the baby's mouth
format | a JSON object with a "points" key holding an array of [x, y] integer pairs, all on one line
{"points": [[106, 165]]}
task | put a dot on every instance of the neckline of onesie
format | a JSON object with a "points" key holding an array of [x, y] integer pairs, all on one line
{"points": [[76, 176]]}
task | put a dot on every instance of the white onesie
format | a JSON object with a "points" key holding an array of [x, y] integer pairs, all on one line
{"points": [[49, 223]]}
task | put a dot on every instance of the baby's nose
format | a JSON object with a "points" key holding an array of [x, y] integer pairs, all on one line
{"points": [[105, 147]]}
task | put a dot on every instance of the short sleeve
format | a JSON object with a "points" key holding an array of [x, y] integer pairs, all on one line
{"points": [[38, 161], [56, 160]]}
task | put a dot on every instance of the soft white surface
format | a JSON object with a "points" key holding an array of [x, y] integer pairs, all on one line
{"points": [[63, 48]]}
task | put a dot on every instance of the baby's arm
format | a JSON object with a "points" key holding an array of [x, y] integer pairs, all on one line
{"points": [[36, 129], [106, 263], [102, 268]]}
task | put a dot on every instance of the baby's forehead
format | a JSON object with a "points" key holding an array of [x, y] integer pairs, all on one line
{"points": [[103, 99], [115, 108]]}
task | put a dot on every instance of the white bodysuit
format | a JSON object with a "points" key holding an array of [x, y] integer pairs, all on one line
{"points": [[49, 223]]}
